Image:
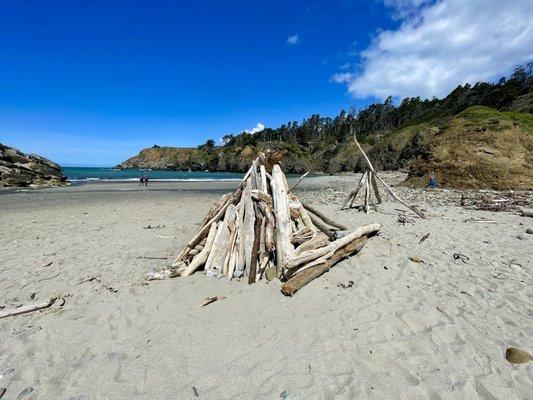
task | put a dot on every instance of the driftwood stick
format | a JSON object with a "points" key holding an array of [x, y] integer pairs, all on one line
{"points": [[322, 227], [262, 196], [387, 188], [323, 217], [248, 223], [283, 233], [299, 180], [299, 280], [28, 308], [305, 258], [255, 250], [202, 232], [353, 193], [264, 184], [217, 254], [320, 240], [201, 258], [367, 191], [376, 189]]}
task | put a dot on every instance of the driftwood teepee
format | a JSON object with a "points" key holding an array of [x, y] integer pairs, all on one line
{"points": [[369, 178], [264, 230]]}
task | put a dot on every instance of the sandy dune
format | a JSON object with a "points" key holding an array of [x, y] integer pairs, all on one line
{"points": [[403, 330]]}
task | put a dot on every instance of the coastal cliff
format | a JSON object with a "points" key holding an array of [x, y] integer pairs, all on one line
{"points": [[19, 170], [479, 147]]}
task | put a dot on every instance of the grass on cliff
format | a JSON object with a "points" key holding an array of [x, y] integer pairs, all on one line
{"points": [[489, 118]]}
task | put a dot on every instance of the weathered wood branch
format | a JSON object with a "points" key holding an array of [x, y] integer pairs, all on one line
{"points": [[300, 279], [324, 218], [295, 261], [28, 308]]}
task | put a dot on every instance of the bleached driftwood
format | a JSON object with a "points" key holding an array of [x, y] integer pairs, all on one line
{"points": [[219, 248], [343, 241], [283, 232], [387, 188], [203, 231], [254, 232], [201, 258], [299, 180], [301, 279], [28, 308], [324, 218]]}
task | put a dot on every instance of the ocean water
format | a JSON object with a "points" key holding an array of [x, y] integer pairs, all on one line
{"points": [[97, 174]]}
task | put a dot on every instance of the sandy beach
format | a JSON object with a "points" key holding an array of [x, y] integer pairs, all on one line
{"points": [[377, 325]]}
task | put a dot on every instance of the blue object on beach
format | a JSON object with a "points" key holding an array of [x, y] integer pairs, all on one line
{"points": [[432, 182]]}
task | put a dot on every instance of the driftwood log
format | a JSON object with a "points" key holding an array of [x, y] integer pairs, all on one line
{"points": [[301, 279]]}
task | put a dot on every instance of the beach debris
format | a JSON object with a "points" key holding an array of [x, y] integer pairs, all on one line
{"points": [[47, 264], [2, 391], [154, 227], [492, 200], [195, 392], [151, 258], [424, 238], [529, 231], [370, 177], [346, 285], [89, 279], [263, 230], [48, 278], [28, 308], [284, 395], [23, 394], [155, 275], [165, 237], [462, 257], [402, 219], [517, 356], [210, 300], [415, 259], [488, 221]]}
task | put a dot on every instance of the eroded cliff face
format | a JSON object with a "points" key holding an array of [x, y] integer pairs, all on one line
{"points": [[22, 170]]}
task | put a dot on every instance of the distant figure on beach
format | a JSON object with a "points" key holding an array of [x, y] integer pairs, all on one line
{"points": [[432, 180], [146, 180], [141, 180]]}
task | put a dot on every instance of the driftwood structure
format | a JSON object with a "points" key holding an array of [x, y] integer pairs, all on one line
{"points": [[370, 177], [264, 231]]}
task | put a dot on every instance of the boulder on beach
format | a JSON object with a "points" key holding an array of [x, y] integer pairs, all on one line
{"points": [[28, 170]]}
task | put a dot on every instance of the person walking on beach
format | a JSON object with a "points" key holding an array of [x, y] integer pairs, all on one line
{"points": [[146, 180], [141, 180]]}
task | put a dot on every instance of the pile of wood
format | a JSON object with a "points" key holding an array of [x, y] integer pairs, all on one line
{"points": [[370, 177], [492, 200], [264, 231]]}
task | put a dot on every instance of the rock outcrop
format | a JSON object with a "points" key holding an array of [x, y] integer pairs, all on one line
{"points": [[22, 170]]}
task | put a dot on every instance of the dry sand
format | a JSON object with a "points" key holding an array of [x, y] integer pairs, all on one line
{"points": [[404, 330]]}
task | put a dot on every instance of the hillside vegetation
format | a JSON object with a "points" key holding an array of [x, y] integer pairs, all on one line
{"points": [[463, 137]]}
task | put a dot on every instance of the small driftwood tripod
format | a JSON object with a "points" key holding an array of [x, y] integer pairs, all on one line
{"points": [[366, 180], [371, 178]]}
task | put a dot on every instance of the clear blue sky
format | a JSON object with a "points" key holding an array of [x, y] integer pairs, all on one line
{"points": [[93, 82]]}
